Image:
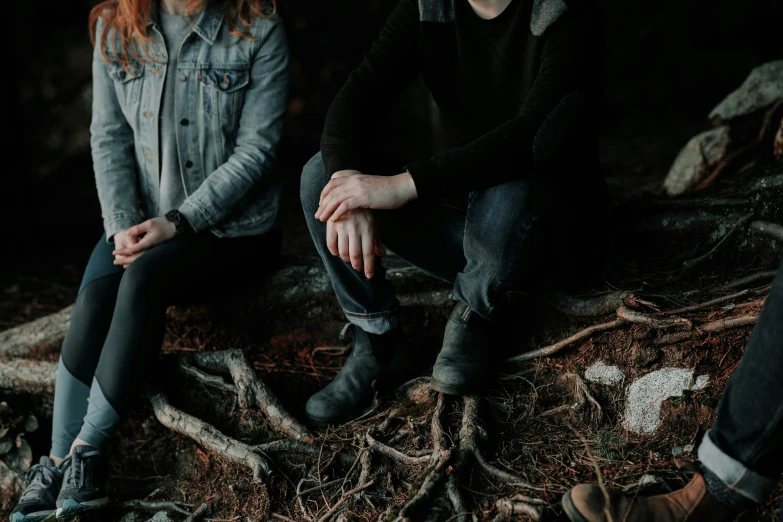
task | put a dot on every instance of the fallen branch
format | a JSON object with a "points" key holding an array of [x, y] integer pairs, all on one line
{"points": [[712, 327], [201, 512], [631, 316], [208, 436], [252, 391], [554, 348]]}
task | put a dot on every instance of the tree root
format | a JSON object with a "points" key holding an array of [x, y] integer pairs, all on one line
{"points": [[251, 391], [767, 229], [705, 329], [554, 348], [639, 318], [155, 506], [23, 339], [28, 376], [448, 466], [595, 306], [719, 247], [208, 436], [521, 505]]}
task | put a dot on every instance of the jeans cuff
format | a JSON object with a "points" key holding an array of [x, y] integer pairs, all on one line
{"points": [[374, 323], [733, 473]]}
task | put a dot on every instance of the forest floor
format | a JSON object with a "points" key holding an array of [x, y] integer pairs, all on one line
{"points": [[553, 450]]}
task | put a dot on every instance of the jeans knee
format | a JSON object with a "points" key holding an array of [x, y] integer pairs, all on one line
{"points": [[314, 179]]}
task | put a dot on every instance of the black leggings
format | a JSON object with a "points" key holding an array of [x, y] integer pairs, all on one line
{"points": [[118, 322]]}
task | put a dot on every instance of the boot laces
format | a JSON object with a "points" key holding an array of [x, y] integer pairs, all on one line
{"points": [[78, 467], [38, 478]]}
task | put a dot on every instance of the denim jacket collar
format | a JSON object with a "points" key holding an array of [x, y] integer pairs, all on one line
{"points": [[207, 25]]}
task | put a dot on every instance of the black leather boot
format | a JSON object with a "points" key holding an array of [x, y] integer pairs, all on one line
{"points": [[351, 391], [462, 363]]}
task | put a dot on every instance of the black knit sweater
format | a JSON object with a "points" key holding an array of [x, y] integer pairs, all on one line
{"points": [[495, 82]]}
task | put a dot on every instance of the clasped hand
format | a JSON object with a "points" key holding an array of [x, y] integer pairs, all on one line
{"points": [[133, 242]]}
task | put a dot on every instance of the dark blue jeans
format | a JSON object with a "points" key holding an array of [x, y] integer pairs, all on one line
{"points": [[745, 445], [484, 243]]}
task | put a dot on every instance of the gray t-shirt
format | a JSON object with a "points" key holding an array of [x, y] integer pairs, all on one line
{"points": [[172, 192]]}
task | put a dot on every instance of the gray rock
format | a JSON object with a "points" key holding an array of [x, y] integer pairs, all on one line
{"points": [[601, 373], [646, 394], [696, 159], [762, 88], [161, 516]]}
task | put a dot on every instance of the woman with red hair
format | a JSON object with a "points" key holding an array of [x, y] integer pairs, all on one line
{"points": [[188, 105]]}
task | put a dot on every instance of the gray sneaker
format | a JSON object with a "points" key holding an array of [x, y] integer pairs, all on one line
{"points": [[84, 484], [39, 499]]}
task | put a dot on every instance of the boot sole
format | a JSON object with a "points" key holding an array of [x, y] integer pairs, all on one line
{"points": [[71, 507], [38, 516], [570, 509], [451, 389]]}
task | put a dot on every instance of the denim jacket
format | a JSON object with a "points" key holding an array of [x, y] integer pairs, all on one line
{"points": [[230, 101]]}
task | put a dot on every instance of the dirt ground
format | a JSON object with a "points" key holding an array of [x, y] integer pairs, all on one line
{"points": [[553, 451]]}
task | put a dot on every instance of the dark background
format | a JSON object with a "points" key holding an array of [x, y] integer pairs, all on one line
{"points": [[668, 63]]}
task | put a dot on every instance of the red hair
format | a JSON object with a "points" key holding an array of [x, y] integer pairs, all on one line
{"points": [[129, 19]]}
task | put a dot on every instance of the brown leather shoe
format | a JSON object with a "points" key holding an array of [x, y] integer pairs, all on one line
{"points": [[585, 503]]}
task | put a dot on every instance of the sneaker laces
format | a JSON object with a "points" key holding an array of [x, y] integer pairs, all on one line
{"points": [[38, 478], [78, 463]]}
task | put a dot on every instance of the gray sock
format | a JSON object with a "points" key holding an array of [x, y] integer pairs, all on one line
{"points": [[727, 497]]}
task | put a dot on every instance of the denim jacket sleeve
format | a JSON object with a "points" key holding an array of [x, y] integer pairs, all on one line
{"points": [[260, 127], [113, 157]]}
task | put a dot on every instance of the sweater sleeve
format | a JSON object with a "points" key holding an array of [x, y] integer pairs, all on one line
{"points": [[568, 63], [388, 67]]}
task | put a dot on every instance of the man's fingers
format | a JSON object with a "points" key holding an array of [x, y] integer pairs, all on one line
{"points": [[342, 247], [330, 203], [331, 239], [368, 251], [333, 183], [345, 206], [355, 249]]}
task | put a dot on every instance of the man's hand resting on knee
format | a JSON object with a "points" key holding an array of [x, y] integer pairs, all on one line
{"points": [[354, 239], [350, 189]]}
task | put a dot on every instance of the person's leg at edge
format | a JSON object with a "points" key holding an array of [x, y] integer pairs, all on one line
{"points": [[179, 270], [741, 455], [370, 305], [503, 240], [82, 346], [81, 349]]}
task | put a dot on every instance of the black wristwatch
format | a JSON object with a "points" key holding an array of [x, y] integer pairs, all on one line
{"points": [[181, 224]]}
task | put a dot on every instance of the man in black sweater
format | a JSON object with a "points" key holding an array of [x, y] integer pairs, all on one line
{"points": [[516, 82]]}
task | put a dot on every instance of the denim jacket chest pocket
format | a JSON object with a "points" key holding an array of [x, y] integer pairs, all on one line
{"points": [[127, 84], [223, 91]]}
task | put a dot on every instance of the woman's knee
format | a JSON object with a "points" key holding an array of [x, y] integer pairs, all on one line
{"points": [[314, 179]]}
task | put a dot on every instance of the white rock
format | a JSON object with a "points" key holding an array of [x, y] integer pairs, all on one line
{"points": [[762, 87], [696, 159], [601, 373], [646, 394]]}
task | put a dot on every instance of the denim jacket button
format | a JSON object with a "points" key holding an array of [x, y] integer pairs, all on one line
{"points": [[123, 74], [184, 121], [224, 84], [183, 77], [188, 164]]}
